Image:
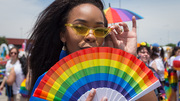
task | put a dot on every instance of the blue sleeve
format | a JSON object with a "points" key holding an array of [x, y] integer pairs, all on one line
{"points": [[32, 98]]}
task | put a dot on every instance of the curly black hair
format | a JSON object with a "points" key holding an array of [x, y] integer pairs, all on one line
{"points": [[45, 44]]}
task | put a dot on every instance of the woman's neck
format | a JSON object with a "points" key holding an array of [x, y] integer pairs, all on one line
{"points": [[13, 61]]}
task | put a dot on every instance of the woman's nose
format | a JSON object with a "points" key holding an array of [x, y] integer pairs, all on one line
{"points": [[90, 37]]}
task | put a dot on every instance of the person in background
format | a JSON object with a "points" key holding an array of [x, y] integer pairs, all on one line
{"points": [[157, 62], [158, 66], [173, 85], [15, 78], [13, 62], [175, 52], [71, 24], [143, 52]]}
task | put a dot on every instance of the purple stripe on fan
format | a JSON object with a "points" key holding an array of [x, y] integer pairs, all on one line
{"points": [[94, 85]]}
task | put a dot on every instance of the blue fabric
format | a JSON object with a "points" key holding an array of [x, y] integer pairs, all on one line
{"points": [[32, 98], [9, 91], [36, 99], [62, 54], [178, 44]]}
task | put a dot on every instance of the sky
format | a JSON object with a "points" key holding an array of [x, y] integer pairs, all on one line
{"points": [[160, 24]]}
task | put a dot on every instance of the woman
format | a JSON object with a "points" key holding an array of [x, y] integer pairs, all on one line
{"points": [[58, 25], [157, 62], [158, 66], [175, 52], [144, 55], [15, 78], [143, 52], [13, 62]]}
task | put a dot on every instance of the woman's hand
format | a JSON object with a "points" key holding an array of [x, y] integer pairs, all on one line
{"points": [[125, 40], [1, 88], [92, 94], [3, 83]]}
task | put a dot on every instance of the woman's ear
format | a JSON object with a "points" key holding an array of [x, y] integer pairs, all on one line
{"points": [[62, 37]]}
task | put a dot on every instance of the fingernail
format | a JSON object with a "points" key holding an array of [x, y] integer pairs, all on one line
{"points": [[92, 91], [104, 99]]}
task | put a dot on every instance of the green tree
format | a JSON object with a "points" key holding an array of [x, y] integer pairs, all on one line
{"points": [[171, 44], [3, 40]]}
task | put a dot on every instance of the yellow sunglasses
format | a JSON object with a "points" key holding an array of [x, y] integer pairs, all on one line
{"points": [[83, 30]]}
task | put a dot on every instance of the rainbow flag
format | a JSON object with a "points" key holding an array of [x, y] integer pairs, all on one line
{"points": [[167, 87], [171, 82], [2, 74], [173, 79], [23, 91]]}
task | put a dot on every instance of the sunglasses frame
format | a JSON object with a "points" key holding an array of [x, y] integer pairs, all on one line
{"points": [[94, 29], [13, 53]]}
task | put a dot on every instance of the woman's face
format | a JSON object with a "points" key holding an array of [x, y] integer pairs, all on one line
{"points": [[144, 55], [87, 15], [14, 54], [177, 52]]}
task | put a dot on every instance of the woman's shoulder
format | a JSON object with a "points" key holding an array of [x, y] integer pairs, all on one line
{"points": [[151, 62], [8, 64], [172, 58], [17, 67], [18, 62], [158, 60], [8, 61]]}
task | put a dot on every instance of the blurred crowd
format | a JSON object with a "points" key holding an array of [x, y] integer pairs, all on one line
{"points": [[160, 61]]}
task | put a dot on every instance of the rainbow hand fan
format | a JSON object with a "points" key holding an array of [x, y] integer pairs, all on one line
{"points": [[113, 72]]}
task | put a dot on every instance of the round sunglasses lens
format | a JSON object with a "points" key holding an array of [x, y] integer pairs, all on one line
{"points": [[13, 53]]}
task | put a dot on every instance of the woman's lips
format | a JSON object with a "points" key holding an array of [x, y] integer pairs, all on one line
{"points": [[85, 47]]}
